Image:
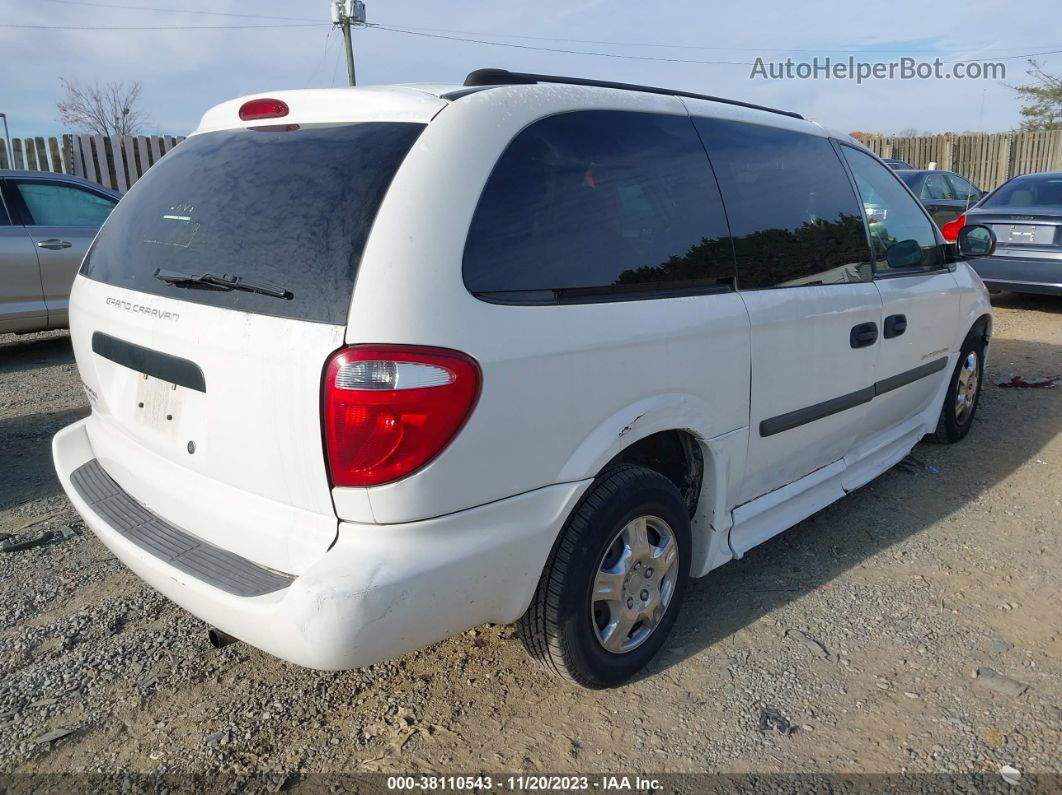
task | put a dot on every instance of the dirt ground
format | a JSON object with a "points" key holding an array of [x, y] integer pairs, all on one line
{"points": [[864, 627]]}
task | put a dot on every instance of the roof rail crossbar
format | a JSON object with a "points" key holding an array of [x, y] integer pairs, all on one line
{"points": [[503, 77]]}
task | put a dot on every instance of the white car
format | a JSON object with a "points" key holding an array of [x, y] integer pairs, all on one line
{"points": [[369, 367]]}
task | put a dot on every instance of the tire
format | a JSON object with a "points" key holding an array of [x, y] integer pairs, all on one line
{"points": [[565, 629], [960, 406]]}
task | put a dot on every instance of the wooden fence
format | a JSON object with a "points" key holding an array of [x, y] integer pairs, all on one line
{"points": [[114, 161], [985, 160]]}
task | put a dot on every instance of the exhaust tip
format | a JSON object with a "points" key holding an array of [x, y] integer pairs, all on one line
{"points": [[219, 639]]}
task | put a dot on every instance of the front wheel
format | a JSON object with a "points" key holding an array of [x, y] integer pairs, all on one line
{"points": [[611, 589], [964, 392]]}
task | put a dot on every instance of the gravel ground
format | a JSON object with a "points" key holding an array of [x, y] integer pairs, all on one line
{"points": [[863, 628]]}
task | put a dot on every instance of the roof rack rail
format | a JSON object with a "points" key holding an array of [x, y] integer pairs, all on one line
{"points": [[503, 77]]}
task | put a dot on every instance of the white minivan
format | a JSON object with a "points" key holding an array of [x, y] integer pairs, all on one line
{"points": [[369, 367]]}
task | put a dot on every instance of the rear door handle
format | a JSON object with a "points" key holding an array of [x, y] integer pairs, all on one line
{"points": [[894, 326], [54, 243], [864, 335]]}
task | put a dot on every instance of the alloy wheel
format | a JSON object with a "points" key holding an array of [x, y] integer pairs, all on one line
{"points": [[634, 583], [966, 387]]}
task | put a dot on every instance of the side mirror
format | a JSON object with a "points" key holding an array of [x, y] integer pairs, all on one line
{"points": [[904, 254], [976, 240]]}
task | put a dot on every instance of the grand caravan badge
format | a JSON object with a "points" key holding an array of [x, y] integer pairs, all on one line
{"points": [[140, 309]]}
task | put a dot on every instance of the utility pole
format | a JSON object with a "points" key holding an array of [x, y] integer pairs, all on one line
{"points": [[345, 13]]}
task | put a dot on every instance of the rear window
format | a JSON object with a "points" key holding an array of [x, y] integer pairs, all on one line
{"points": [[1039, 191], [599, 205], [290, 208]]}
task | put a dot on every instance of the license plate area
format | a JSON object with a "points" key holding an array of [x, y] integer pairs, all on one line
{"points": [[159, 404], [1026, 234]]}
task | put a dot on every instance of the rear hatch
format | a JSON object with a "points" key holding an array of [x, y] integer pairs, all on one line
{"points": [[206, 391]]}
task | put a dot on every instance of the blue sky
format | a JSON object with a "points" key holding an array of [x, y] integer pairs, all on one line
{"points": [[713, 45]]}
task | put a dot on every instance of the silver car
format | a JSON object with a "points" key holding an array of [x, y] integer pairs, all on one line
{"points": [[47, 222], [1026, 214]]}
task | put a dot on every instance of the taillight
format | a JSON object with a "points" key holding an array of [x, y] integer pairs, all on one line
{"points": [[390, 409], [263, 109], [950, 230]]}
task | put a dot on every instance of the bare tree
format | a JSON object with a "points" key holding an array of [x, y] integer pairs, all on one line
{"points": [[109, 109]]}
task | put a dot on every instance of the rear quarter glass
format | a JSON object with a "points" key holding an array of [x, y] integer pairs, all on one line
{"points": [[285, 205]]}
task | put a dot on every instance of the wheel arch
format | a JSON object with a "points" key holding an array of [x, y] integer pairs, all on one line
{"points": [[676, 454], [975, 308], [672, 434], [665, 433], [983, 325]]}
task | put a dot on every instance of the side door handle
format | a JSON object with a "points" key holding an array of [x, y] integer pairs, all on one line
{"points": [[864, 335], [894, 326], [54, 243]]}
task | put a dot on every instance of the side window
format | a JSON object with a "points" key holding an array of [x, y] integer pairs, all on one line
{"points": [[598, 203], [793, 214], [51, 204], [903, 239], [937, 187], [964, 190]]}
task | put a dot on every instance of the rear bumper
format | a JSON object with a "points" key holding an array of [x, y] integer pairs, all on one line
{"points": [[1020, 275], [380, 591]]}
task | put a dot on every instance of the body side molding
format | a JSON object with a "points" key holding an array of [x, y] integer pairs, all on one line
{"points": [[910, 376], [794, 419]]}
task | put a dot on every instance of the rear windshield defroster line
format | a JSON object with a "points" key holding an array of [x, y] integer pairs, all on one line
{"points": [[282, 206]]}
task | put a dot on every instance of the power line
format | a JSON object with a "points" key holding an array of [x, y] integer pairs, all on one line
{"points": [[160, 27], [410, 28], [375, 26], [176, 10], [323, 58], [335, 68], [422, 33], [857, 51], [414, 30], [624, 56], [1005, 57]]}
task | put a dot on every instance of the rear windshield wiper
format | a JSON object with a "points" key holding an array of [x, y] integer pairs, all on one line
{"points": [[220, 281]]}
